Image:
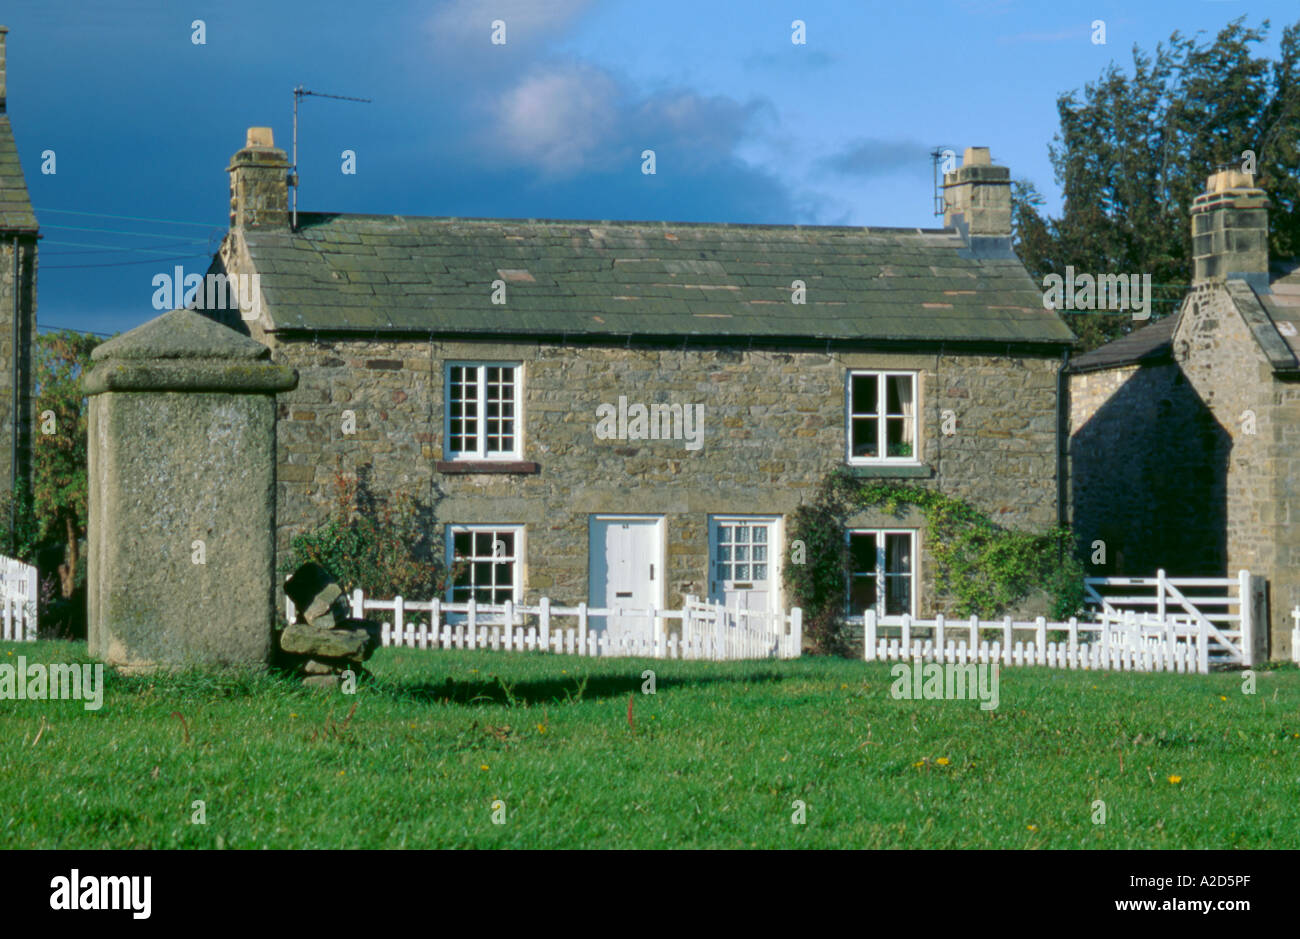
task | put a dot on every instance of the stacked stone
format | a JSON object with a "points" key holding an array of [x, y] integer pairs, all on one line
{"points": [[324, 642]]}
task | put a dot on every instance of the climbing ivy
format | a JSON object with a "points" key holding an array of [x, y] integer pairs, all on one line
{"points": [[983, 567]]}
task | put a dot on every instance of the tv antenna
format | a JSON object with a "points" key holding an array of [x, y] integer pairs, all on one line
{"points": [[937, 155], [298, 94]]}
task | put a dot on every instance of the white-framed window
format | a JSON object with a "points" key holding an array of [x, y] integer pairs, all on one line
{"points": [[882, 571], [487, 563], [881, 413], [483, 412]]}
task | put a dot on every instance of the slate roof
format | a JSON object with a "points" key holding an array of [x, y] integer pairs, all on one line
{"points": [[372, 273], [1150, 345], [1272, 316], [1282, 304], [15, 207]]}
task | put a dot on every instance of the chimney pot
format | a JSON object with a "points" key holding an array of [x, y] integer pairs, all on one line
{"points": [[260, 137]]}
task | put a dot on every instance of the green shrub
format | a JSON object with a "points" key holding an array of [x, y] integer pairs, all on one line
{"points": [[385, 546]]}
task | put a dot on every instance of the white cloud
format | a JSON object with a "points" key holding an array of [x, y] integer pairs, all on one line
{"points": [[558, 119]]}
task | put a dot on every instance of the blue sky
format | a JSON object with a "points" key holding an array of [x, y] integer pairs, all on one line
{"points": [[746, 125]]}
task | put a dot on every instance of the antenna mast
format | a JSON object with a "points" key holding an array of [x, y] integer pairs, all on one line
{"points": [[936, 155], [298, 94]]}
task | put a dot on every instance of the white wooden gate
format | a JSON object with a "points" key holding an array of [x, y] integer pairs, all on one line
{"points": [[1228, 608]]}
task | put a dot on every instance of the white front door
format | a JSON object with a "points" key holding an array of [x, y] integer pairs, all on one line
{"points": [[742, 565], [625, 571]]}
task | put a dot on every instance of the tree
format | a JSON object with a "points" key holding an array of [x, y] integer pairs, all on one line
{"points": [[1133, 151], [59, 445]]}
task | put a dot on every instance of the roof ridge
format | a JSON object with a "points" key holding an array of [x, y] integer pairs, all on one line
{"points": [[308, 217]]}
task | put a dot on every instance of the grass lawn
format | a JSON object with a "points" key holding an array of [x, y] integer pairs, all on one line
{"points": [[715, 758]]}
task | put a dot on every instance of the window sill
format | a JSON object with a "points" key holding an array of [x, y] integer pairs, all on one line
{"points": [[890, 470], [461, 467]]}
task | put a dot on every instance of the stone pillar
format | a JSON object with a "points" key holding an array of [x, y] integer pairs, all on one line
{"points": [[181, 528]]}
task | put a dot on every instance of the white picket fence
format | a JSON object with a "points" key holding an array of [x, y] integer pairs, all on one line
{"points": [[1178, 643], [704, 630], [18, 587]]}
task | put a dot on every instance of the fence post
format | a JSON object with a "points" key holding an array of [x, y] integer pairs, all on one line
{"points": [[399, 617], [545, 617], [796, 633], [582, 628], [869, 634], [1160, 594], [290, 611], [472, 617], [938, 638], [358, 604], [1203, 647], [1006, 640], [1040, 640], [1295, 634], [33, 605], [509, 617]]}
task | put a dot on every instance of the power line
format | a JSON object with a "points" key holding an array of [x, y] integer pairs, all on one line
{"points": [[68, 267], [100, 249], [73, 329], [83, 244], [130, 218], [133, 234]]}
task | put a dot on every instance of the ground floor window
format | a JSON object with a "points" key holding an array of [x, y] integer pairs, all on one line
{"points": [[882, 573], [488, 563]]}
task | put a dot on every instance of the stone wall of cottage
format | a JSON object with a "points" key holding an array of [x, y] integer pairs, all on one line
{"points": [[1228, 370], [1146, 473], [774, 426], [26, 287]]}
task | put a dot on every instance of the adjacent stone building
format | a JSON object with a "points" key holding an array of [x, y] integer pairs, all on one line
{"points": [[18, 239], [1185, 435], [628, 412]]}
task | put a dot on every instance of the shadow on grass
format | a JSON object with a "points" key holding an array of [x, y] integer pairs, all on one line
{"points": [[493, 690]]}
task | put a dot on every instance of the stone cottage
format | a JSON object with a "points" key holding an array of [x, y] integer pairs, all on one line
{"points": [[628, 412], [1185, 435], [18, 238]]}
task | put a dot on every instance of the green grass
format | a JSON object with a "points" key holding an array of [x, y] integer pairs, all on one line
{"points": [[715, 759]]}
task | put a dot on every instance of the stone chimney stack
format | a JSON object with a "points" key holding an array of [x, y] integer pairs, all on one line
{"points": [[1230, 230], [259, 183], [4, 32], [977, 196]]}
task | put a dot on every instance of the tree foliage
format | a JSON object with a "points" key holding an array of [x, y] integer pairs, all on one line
{"points": [[59, 445], [1135, 147]]}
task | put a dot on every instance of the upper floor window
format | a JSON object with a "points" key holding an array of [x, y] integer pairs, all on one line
{"points": [[483, 407], [882, 417]]}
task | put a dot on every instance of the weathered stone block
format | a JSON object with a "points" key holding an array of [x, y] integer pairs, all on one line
{"points": [[182, 495]]}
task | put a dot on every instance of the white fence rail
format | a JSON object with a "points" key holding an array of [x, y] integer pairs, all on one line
{"points": [[18, 586], [704, 630], [1178, 643], [1229, 610]]}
